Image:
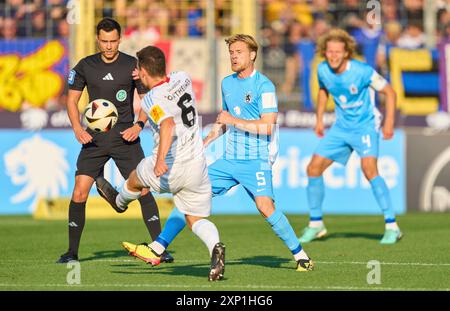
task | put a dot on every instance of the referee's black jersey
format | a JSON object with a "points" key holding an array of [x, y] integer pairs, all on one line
{"points": [[111, 81]]}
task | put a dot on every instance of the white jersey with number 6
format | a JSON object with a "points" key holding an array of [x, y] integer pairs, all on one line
{"points": [[187, 178], [175, 98]]}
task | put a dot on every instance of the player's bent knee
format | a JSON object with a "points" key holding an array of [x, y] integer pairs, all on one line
{"points": [[79, 195], [81, 190], [370, 174], [83, 184], [191, 220], [265, 206], [134, 184], [370, 171], [144, 191], [314, 170]]}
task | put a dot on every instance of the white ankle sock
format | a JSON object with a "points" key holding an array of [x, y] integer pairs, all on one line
{"points": [[207, 232], [392, 226], [126, 196], [157, 247], [301, 255], [315, 223]]}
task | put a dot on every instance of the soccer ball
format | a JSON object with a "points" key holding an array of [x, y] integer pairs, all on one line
{"points": [[100, 115]]}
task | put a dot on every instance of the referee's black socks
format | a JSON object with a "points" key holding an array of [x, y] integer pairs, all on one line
{"points": [[77, 217], [150, 214]]}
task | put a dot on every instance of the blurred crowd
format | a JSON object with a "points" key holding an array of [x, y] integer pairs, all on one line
{"points": [[289, 22], [161, 18], [284, 25], [33, 18], [167, 18]]}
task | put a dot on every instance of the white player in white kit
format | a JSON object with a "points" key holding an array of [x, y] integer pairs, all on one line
{"points": [[178, 164], [187, 172]]}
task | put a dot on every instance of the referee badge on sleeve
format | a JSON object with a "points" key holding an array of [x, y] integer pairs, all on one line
{"points": [[71, 78]]}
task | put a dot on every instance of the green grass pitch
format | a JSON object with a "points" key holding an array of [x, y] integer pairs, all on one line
{"points": [[256, 259]]}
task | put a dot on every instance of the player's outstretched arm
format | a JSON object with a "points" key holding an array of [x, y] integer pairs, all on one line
{"points": [[216, 131], [74, 115], [132, 133], [391, 101], [322, 99], [165, 141], [264, 125]]}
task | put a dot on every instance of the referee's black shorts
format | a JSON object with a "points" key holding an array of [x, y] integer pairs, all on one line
{"points": [[104, 146]]}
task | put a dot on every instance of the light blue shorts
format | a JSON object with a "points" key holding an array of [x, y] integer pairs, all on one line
{"points": [[254, 175], [338, 145]]}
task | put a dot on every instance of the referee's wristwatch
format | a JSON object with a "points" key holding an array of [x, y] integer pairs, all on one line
{"points": [[141, 124]]}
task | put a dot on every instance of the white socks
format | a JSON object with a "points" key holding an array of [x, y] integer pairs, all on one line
{"points": [[207, 232], [157, 247], [126, 196], [392, 226], [315, 223], [301, 255]]}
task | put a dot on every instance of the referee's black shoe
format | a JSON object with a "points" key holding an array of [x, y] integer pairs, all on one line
{"points": [[166, 257], [67, 257], [109, 193]]}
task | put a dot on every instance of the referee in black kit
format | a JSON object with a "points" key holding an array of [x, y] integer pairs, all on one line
{"points": [[109, 75]]}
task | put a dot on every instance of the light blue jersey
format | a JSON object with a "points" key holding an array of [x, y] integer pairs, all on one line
{"points": [[357, 118], [356, 129], [248, 99], [248, 157], [354, 94]]}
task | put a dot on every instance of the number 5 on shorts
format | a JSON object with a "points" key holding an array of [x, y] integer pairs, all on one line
{"points": [[260, 179]]}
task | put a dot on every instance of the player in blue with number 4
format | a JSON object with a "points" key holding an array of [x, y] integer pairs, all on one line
{"points": [[352, 85], [249, 111]]}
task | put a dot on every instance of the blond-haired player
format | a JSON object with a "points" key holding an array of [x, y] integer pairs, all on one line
{"points": [[352, 84]]}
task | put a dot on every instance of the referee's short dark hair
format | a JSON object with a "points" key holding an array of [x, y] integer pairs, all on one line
{"points": [[152, 59], [108, 24]]}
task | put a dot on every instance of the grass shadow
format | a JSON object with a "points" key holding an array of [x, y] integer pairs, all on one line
{"points": [[196, 270], [111, 254], [263, 261], [132, 265], [369, 236], [201, 270], [105, 255]]}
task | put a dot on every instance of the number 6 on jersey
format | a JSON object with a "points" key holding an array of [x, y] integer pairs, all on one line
{"points": [[187, 110]]}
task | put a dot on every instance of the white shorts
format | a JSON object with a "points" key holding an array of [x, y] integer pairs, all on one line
{"points": [[187, 181]]}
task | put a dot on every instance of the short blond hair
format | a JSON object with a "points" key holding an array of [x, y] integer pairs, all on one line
{"points": [[247, 39], [338, 35]]}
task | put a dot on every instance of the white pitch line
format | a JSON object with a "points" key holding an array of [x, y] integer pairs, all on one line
{"points": [[248, 286], [240, 261], [385, 263]]}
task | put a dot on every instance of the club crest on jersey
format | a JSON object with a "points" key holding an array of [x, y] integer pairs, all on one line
{"points": [[248, 97], [121, 95], [353, 89]]}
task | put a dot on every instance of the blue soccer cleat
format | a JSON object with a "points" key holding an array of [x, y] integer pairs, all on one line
{"points": [[391, 236], [309, 234]]}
